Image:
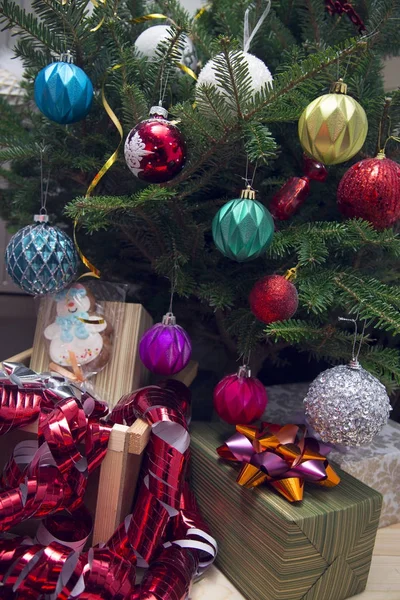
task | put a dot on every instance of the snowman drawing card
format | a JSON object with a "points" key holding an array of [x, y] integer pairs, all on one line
{"points": [[80, 337]]}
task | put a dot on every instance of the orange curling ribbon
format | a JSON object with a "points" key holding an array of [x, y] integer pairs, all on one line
{"points": [[94, 272], [284, 457]]}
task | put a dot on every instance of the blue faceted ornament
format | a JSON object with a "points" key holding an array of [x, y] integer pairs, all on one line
{"points": [[63, 92], [41, 259]]}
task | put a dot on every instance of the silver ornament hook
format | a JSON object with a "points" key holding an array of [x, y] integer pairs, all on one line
{"points": [[355, 355]]}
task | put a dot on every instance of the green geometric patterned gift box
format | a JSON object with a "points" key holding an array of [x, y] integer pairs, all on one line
{"points": [[318, 549]]}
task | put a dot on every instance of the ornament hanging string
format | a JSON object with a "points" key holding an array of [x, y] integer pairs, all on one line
{"points": [[174, 282], [246, 178], [355, 356], [247, 35], [94, 272], [385, 119], [43, 192]]}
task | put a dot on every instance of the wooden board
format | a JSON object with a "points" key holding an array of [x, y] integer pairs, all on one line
{"points": [[125, 371]]}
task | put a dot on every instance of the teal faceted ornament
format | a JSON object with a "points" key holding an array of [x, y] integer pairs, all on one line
{"points": [[243, 228], [41, 259], [63, 91]]}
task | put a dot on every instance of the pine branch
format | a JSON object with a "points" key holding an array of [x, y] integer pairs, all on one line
{"points": [[28, 27], [259, 144]]}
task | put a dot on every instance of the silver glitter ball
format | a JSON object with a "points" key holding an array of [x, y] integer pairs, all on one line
{"points": [[347, 405]]}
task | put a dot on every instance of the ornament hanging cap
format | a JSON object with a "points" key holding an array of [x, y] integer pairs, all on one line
{"points": [[169, 319], [159, 111], [339, 87], [248, 193], [42, 218], [66, 57], [354, 364], [244, 371]]}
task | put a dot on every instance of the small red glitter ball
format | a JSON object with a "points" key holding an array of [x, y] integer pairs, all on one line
{"points": [[370, 190], [273, 298], [155, 150], [240, 398]]}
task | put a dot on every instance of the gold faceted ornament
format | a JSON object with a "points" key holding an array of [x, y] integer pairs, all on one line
{"points": [[333, 128]]}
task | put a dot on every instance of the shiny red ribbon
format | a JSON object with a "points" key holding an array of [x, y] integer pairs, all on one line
{"points": [[43, 478]]}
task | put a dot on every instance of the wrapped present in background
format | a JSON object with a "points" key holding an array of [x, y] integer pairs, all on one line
{"points": [[377, 465], [317, 549]]}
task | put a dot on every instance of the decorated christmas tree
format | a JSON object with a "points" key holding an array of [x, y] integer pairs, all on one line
{"points": [[193, 210]]}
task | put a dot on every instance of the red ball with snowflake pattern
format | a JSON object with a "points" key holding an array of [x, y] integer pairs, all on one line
{"points": [[155, 150]]}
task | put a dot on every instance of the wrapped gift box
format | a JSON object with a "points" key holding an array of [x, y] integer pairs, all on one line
{"points": [[318, 549], [377, 465]]}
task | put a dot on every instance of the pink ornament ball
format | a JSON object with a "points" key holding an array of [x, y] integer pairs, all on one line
{"points": [[165, 348], [240, 398]]}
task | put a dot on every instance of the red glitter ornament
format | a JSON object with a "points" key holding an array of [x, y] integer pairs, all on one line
{"points": [[295, 191], [370, 190], [240, 398], [155, 150], [273, 298]]}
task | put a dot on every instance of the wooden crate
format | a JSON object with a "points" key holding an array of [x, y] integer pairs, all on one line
{"points": [[112, 489]]}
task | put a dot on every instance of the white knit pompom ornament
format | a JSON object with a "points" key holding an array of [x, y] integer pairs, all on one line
{"points": [[147, 42], [258, 71]]}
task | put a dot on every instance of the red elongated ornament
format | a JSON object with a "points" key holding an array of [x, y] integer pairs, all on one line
{"points": [[292, 195]]}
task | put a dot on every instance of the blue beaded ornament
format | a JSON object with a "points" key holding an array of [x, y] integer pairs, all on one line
{"points": [[41, 259], [63, 92]]}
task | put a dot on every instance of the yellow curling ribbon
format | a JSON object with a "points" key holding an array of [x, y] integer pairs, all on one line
{"points": [[187, 70], [96, 4], [98, 25], [149, 18], [91, 321], [202, 11], [94, 272]]}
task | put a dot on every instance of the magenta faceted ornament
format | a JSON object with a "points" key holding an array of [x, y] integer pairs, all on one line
{"points": [[240, 398], [165, 348]]}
